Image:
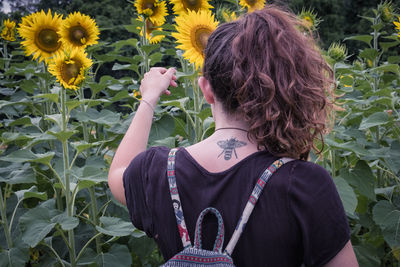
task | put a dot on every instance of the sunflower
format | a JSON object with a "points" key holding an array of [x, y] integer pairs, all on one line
{"points": [[194, 28], [69, 68], [155, 10], [40, 34], [252, 5], [397, 24], [308, 19], [182, 6], [8, 32], [150, 27], [79, 30]]}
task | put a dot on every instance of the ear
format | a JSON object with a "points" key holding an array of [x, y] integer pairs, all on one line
{"points": [[206, 88]]}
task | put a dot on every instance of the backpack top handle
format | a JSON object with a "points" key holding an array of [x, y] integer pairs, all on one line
{"points": [[219, 241]]}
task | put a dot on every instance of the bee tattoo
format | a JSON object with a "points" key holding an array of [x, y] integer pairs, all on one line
{"points": [[230, 146]]}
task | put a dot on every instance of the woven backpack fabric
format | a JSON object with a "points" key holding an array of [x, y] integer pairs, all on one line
{"points": [[194, 255]]}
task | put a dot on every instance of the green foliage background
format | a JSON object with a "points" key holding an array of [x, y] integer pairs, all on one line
{"points": [[361, 152]]}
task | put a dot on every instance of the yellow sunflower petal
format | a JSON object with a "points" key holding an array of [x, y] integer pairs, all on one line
{"points": [[252, 5], [69, 68], [193, 30], [155, 10], [79, 30], [182, 6], [40, 33]]}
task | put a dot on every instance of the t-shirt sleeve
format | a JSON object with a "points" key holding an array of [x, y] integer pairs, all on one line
{"points": [[318, 210], [135, 184]]}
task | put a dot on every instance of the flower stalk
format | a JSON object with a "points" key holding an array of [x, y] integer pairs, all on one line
{"points": [[69, 204], [4, 221]]}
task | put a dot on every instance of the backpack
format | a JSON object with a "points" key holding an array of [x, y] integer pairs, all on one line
{"points": [[194, 255]]}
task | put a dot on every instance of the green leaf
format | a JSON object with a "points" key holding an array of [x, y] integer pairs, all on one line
{"points": [[31, 193], [394, 156], [361, 178], [129, 42], [24, 155], [394, 59], [205, 113], [162, 128], [118, 66], [14, 257], [115, 226], [363, 38], [369, 53], [55, 118], [81, 146], [347, 195], [378, 118], [35, 224], [367, 255], [118, 255], [104, 117], [149, 48], [94, 174], [155, 58], [51, 97], [24, 175], [387, 217], [351, 146], [62, 135], [388, 67], [66, 222]]}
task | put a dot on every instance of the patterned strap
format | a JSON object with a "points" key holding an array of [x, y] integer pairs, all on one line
{"points": [[252, 202], [219, 241], [173, 189]]}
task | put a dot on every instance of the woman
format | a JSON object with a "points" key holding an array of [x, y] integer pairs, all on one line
{"points": [[267, 86]]}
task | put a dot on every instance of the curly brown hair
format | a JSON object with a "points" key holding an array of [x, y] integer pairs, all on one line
{"points": [[264, 69]]}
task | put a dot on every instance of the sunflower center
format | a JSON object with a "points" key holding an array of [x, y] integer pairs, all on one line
{"points": [[47, 40], [192, 4], [200, 38], [148, 5], [70, 71], [77, 35], [251, 2]]}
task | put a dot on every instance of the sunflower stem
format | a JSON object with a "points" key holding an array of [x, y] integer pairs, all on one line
{"points": [[197, 108], [6, 228], [70, 208], [5, 54]]}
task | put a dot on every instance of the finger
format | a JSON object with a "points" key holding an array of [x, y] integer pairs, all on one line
{"points": [[167, 92], [173, 83], [159, 69], [170, 72], [174, 77]]}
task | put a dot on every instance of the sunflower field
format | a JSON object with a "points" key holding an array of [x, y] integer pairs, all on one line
{"points": [[61, 122]]}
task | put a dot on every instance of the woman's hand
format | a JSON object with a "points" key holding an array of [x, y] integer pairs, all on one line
{"points": [[156, 82]]}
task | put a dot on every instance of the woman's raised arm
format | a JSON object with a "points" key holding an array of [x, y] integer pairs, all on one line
{"points": [[153, 85]]}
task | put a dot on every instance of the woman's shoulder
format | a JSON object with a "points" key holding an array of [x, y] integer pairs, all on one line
{"points": [[309, 170]]}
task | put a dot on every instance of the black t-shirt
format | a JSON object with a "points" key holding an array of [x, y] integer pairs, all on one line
{"points": [[299, 216]]}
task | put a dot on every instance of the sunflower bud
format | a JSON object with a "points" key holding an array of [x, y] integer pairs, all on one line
{"points": [[397, 24], [337, 52], [308, 19], [358, 65], [385, 11], [8, 31], [226, 15]]}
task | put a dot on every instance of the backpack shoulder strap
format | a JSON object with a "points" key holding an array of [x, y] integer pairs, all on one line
{"points": [[176, 202], [255, 194]]}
